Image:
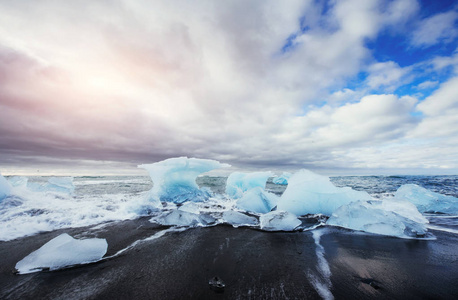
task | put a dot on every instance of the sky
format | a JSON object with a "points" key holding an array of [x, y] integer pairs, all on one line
{"points": [[338, 87]]}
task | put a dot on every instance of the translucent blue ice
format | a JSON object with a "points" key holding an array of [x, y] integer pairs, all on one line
{"points": [[310, 193], [426, 200], [184, 218], [174, 179], [257, 200], [238, 182], [18, 181], [279, 221], [63, 251], [283, 179], [5, 188], [393, 218], [54, 184], [237, 219]]}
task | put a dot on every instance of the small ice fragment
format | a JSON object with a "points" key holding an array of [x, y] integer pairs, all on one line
{"points": [[236, 219], [257, 200], [426, 200], [377, 217], [61, 252], [5, 188], [238, 182], [279, 221], [310, 193], [282, 179], [174, 179], [184, 218]]}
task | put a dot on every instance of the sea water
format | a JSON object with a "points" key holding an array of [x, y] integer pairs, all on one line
{"points": [[97, 200]]}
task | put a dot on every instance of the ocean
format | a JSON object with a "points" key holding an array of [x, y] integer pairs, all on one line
{"points": [[97, 200]]}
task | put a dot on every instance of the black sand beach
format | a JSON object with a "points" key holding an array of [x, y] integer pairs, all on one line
{"points": [[253, 265]]}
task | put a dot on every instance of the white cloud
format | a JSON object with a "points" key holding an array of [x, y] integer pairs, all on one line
{"points": [[387, 75], [141, 81], [438, 27], [427, 84]]}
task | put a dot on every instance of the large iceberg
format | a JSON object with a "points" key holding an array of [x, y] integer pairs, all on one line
{"points": [[174, 179], [257, 200], [282, 179], [385, 217], [310, 193], [5, 188], [426, 200], [238, 183], [279, 221], [61, 252]]}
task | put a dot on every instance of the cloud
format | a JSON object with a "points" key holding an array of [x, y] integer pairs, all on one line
{"points": [[439, 27], [252, 84], [427, 84], [387, 75]]}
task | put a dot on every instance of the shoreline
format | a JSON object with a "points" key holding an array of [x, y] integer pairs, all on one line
{"points": [[253, 264]]}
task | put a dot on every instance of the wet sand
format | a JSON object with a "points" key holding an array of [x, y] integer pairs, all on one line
{"points": [[253, 265]]}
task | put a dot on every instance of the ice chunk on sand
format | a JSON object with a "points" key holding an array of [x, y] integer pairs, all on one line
{"points": [[5, 188], [183, 218], [399, 219], [310, 193], [63, 251], [257, 200], [282, 179], [238, 182], [236, 219], [174, 179], [426, 200], [279, 221]]}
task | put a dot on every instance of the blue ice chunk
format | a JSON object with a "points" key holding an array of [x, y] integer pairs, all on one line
{"points": [[174, 179], [237, 219], [392, 218], [5, 188], [257, 200], [238, 182], [63, 251], [282, 179], [310, 193], [54, 184], [279, 221], [18, 181], [426, 200], [184, 218]]}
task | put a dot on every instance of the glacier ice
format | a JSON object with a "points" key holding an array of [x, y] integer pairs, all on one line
{"points": [[174, 179], [61, 252], [5, 188], [282, 179], [238, 182], [18, 181], [385, 217], [183, 218], [279, 221], [54, 184], [310, 193], [426, 200], [257, 200], [237, 219]]}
